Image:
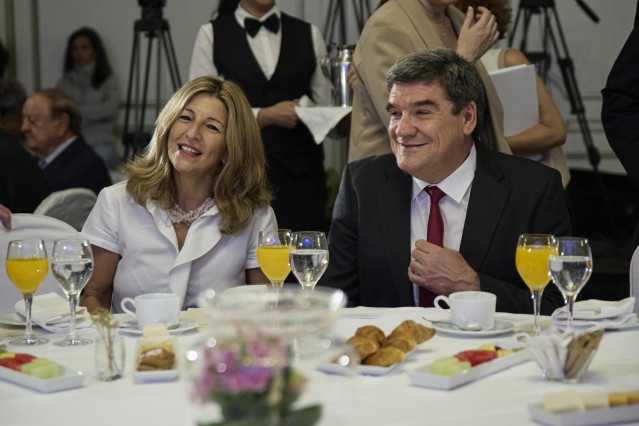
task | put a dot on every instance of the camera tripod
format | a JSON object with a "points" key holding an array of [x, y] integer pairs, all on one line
{"points": [[553, 35], [336, 9], [155, 28]]}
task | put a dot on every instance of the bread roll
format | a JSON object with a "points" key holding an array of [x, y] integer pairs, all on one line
{"points": [[364, 346], [371, 331], [385, 357]]}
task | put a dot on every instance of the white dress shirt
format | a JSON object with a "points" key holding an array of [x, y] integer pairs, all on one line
{"points": [[150, 259], [49, 158], [266, 49], [453, 207]]}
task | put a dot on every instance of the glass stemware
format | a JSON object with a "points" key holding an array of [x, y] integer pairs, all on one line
{"points": [[272, 255], [72, 266], [27, 266], [531, 260], [308, 257], [570, 266]]}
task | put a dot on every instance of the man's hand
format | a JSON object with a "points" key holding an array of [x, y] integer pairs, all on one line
{"points": [[282, 114], [5, 216], [441, 270], [477, 35]]}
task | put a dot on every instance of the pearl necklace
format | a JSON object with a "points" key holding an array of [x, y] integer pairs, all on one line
{"points": [[177, 215]]}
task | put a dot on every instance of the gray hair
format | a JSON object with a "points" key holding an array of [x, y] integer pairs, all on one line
{"points": [[460, 80]]}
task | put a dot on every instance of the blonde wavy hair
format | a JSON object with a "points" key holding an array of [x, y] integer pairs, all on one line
{"points": [[240, 185]]}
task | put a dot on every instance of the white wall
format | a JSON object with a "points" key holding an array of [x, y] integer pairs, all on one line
{"points": [[593, 47]]}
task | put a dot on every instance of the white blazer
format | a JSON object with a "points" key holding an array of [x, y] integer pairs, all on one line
{"points": [[150, 260]]}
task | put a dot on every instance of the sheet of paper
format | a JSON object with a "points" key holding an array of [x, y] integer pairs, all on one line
{"points": [[517, 90]]}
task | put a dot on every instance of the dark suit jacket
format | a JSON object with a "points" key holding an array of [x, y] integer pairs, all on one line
{"points": [[22, 183], [369, 242], [78, 166], [620, 108]]}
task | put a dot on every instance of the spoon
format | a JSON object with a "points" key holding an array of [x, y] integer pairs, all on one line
{"points": [[470, 327]]}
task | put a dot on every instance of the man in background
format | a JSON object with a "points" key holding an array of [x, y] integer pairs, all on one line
{"points": [[51, 127]]}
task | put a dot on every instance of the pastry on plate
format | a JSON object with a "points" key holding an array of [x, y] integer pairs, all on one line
{"points": [[386, 357]]}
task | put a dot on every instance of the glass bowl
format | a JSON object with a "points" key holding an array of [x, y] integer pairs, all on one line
{"points": [[574, 367], [288, 312]]}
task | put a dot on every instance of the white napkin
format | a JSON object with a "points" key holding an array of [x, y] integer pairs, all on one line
{"points": [[595, 313], [319, 119], [52, 312]]}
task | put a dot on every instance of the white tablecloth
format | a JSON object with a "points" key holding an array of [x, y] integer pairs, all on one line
{"points": [[500, 399]]}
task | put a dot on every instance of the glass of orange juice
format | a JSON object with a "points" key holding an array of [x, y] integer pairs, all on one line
{"points": [[27, 266], [272, 255], [531, 260]]}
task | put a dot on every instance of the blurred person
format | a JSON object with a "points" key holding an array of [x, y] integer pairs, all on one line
{"points": [[51, 127], [276, 59], [89, 79], [541, 142], [5, 217], [12, 97], [382, 250], [399, 27], [620, 108], [187, 219]]}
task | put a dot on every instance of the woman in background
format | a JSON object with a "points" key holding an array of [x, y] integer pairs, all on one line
{"points": [[188, 217], [89, 79]]}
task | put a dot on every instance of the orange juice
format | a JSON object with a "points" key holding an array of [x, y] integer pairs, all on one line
{"points": [[532, 264], [273, 261], [27, 273]]}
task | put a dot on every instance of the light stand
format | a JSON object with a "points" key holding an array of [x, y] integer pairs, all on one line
{"points": [[337, 15], [153, 26], [552, 26]]}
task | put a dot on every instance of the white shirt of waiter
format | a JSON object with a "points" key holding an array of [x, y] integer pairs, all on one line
{"points": [[150, 260], [266, 49]]}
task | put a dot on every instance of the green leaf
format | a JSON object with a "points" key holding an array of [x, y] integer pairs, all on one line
{"points": [[307, 416]]}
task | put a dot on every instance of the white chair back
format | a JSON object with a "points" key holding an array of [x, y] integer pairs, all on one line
{"points": [[30, 226], [71, 205], [634, 278]]}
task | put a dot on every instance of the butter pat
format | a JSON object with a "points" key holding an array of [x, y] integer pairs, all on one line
{"points": [[154, 330], [564, 402], [595, 401]]}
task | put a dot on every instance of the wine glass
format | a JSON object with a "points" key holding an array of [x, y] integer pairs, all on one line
{"points": [[570, 266], [272, 255], [531, 260], [308, 257], [27, 266], [72, 266]]}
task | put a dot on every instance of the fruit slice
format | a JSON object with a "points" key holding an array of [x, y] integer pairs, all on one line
{"points": [[11, 363], [476, 357]]}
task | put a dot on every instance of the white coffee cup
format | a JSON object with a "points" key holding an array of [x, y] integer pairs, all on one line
{"points": [[470, 309], [154, 308]]}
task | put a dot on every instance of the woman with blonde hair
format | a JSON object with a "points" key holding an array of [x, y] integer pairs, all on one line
{"points": [[187, 218]]}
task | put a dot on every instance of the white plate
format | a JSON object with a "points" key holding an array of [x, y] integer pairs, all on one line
{"points": [[155, 376], [3, 340], [613, 415], [13, 318], [131, 327], [424, 378], [71, 379], [631, 323], [501, 327]]}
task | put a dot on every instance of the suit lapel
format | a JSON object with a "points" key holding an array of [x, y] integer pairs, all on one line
{"points": [[393, 200], [485, 207], [424, 28]]}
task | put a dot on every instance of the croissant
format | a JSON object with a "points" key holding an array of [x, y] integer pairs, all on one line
{"points": [[385, 357], [420, 332], [371, 331], [364, 346], [404, 341]]}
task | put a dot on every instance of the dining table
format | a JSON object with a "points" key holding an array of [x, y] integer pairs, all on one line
{"points": [[500, 398]]}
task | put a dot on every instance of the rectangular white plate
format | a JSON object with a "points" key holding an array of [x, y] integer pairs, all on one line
{"points": [[422, 376], [71, 379], [155, 376], [613, 415]]}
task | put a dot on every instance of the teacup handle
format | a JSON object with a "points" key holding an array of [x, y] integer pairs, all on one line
{"points": [[436, 303], [125, 309]]}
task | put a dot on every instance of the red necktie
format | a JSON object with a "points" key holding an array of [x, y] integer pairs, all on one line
{"points": [[435, 235]]}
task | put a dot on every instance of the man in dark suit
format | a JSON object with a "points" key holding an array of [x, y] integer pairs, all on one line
{"points": [[51, 127], [379, 253], [620, 108]]}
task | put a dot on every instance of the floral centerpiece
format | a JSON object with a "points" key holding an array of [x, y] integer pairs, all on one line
{"points": [[251, 379]]}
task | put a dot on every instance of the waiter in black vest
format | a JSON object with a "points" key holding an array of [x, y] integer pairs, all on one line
{"points": [[275, 58]]}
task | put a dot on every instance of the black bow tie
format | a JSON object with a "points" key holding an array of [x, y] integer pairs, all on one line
{"points": [[252, 26]]}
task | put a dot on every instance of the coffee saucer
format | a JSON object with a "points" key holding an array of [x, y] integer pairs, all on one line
{"points": [[500, 327], [131, 327]]}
